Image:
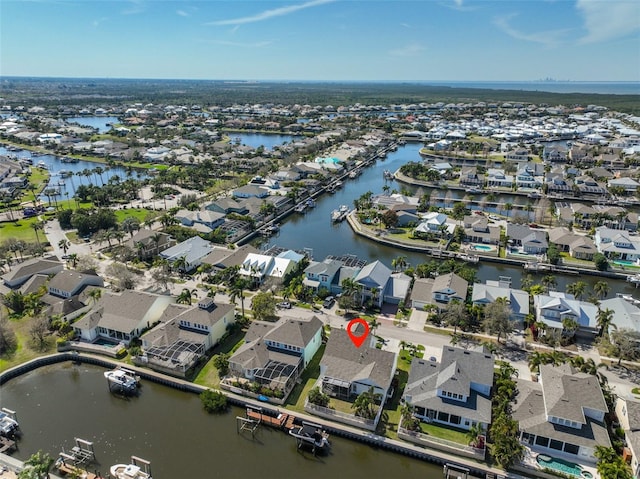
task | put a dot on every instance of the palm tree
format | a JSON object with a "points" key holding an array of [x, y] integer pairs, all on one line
{"points": [[95, 295], [549, 282], [180, 264], [365, 404], [474, 434], [73, 259], [577, 289], [399, 263], [236, 290], [37, 226], [186, 296], [351, 289], [604, 321], [64, 244], [38, 466], [601, 289]]}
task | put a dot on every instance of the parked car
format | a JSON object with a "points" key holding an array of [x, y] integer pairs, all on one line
{"points": [[328, 302], [284, 305]]}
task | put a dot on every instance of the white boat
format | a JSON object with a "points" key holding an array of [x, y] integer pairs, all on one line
{"points": [[312, 435], [8, 423], [137, 469], [300, 207], [534, 195], [42, 164], [124, 379], [339, 214], [335, 216]]}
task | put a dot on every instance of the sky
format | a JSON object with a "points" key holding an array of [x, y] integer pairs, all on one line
{"points": [[323, 40]]}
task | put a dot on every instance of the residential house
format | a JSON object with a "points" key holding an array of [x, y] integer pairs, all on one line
{"points": [[498, 178], [249, 191], [275, 354], [203, 220], [469, 176], [555, 306], [556, 182], [455, 392], [184, 335], [221, 258], [553, 154], [373, 279], [629, 185], [562, 412], [121, 317], [406, 218], [227, 205], [517, 299], [439, 291], [530, 175], [21, 272], [69, 283], [149, 243], [532, 241], [628, 413], [259, 267], [397, 288], [188, 254], [477, 230], [617, 244], [589, 186], [578, 246], [435, 223], [347, 371], [626, 315], [519, 155]]}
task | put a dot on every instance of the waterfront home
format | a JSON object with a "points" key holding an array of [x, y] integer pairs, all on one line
{"points": [[259, 267], [184, 335], [626, 315], [148, 243], [275, 354], [396, 202], [629, 185], [589, 186], [628, 413], [221, 258], [454, 392], [203, 220], [554, 154], [469, 176], [578, 246], [477, 230], [532, 241], [518, 155], [397, 288], [406, 218], [248, 191], [347, 371], [21, 272], [190, 253], [530, 175], [228, 205], [435, 223], [329, 274], [562, 412], [121, 317], [439, 291], [373, 279], [617, 244], [556, 182], [69, 283], [517, 299], [555, 306], [498, 178]]}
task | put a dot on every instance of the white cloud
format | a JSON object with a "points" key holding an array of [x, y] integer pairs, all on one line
{"points": [[605, 20], [135, 7], [411, 50], [96, 23], [549, 38], [182, 13], [405, 25], [267, 14]]}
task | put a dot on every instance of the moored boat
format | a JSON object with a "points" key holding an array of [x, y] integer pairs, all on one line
{"points": [[137, 469], [123, 379], [8, 423], [311, 435]]}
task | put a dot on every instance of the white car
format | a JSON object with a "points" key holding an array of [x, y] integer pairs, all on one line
{"points": [[494, 217]]}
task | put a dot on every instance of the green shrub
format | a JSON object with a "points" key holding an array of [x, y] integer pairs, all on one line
{"points": [[213, 401]]}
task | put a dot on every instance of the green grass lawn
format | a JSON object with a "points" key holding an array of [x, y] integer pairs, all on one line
{"points": [[310, 375], [208, 374], [446, 433], [21, 230], [24, 352], [139, 213]]}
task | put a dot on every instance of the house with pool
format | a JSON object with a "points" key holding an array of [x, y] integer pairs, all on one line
{"points": [[562, 414]]}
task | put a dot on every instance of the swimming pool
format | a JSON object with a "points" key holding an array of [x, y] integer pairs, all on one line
{"points": [[482, 247], [331, 159], [563, 466], [623, 262]]}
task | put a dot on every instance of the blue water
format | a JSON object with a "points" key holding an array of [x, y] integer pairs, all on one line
{"points": [[608, 88], [256, 140], [99, 122]]}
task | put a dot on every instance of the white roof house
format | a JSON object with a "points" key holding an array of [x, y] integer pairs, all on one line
{"points": [[260, 266], [192, 250]]}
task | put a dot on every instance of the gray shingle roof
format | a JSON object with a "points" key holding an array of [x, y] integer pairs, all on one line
{"points": [[342, 360], [374, 275], [31, 267], [450, 281], [295, 332], [529, 411]]}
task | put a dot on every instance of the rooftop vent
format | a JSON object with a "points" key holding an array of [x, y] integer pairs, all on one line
{"points": [[206, 304]]}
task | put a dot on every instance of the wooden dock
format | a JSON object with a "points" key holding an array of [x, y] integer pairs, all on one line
{"points": [[278, 422], [7, 445], [67, 469]]}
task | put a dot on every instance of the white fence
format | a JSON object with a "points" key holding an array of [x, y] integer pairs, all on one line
{"points": [[440, 444], [351, 419]]}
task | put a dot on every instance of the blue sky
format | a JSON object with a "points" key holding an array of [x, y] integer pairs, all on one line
{"points": [[367, 40]]}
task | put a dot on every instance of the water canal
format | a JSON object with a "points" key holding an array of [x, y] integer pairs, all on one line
{"points": [[57, 403]]}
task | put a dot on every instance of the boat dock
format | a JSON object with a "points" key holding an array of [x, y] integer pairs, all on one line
{"points": [[7, 445]]}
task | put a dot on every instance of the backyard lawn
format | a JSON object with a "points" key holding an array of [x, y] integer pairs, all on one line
{"points": [[445, 433], [208, 375], [20, 230], [24, 351], [139, 213], [310, 375]]}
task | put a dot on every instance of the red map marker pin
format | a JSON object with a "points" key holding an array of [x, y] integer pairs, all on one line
{"points": [[355, 332]]}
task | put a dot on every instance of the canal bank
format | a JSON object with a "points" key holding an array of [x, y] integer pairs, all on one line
{"points": [[359, 229], [336, 430]]}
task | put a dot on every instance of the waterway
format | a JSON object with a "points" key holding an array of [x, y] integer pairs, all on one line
{"points": [[315, 230], [57, 403], [256, 140], [66, 185], [101, 123]]}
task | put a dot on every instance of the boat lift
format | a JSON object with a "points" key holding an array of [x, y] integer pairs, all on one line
{"points": [[81, 453]]}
